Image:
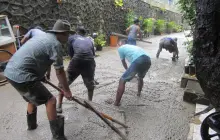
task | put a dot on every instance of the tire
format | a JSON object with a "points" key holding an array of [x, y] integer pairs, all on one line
{"points": [[204, 130]]}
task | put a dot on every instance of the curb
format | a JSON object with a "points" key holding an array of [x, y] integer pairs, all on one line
{"points": [[194, 133]]}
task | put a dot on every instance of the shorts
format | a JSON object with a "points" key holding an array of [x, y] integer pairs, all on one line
{"points": [[131, 41], [140, 66], [33, 92], [85, 68]]}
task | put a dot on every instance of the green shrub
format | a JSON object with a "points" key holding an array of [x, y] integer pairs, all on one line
{"points": [[178, 28], [129, 20], [148, 25], [171, 26], [100, 40], [160, 26], [189, 46]]}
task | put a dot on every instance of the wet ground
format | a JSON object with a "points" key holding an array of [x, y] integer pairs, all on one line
{"points": [[159, 114]]}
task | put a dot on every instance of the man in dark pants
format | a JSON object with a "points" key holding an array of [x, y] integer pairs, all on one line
{"points": [[27, 67], [169, 44], [140, 64], [81, 50]]}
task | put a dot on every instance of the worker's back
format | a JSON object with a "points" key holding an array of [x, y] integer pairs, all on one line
{"points": [[82, 47], [131, 52], [133, 31]]}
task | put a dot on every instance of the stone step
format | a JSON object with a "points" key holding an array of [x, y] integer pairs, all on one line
{"points": [[194, 94], [185, 78]]}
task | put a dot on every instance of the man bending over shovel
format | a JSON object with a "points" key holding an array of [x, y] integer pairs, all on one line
{"points": [[27, 67], [82, 52], [140, 64]]}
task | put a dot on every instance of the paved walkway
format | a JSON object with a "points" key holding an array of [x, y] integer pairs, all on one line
{"points": [[159, 114]]}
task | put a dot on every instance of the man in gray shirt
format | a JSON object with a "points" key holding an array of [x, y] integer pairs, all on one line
{"points": [[37, 31], [132, 32], [27, 67], [169, 44], [81, 50]]}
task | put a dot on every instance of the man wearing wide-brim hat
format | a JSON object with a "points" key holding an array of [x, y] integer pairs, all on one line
{"points": [[27, 67]]}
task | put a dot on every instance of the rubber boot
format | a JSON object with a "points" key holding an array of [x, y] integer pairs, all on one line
{"points": [[57, 128], [32, 120]]}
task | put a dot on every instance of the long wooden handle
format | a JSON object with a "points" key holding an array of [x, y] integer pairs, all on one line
{"points": [[113, 120], [121, 35], [106, 121], [79, 102]]}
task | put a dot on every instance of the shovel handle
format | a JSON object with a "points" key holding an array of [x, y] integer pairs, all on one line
{"points": [[83, 104]]}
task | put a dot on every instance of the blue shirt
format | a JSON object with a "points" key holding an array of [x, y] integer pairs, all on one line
{"points": [[81, 47], [130, 52], [34, 32], [31, 61]]}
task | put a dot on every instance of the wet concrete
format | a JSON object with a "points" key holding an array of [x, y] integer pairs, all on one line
{"points": [[159, 114]]}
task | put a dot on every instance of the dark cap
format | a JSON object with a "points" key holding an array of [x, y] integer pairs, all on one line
{"points": [[81, 29]]}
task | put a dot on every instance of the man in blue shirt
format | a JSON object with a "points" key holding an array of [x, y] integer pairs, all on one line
{"points": [[139, 64], [82, 52], [35, 32], [169, 44]]}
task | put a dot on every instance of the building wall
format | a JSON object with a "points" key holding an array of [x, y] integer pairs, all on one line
{"points": [[93, 14]]}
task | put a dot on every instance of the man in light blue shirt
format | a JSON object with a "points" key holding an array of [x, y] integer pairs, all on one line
{"points": [[37, 31], [139, 64]]}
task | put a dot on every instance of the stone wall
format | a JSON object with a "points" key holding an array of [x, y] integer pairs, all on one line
{"points": [[95, 15], [145, 10]]}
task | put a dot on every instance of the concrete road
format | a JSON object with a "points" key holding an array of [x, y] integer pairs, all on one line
{"points": [[159, 114]]}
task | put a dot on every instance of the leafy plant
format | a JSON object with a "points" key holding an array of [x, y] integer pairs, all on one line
{"points": [[171, 26], [100, 40], [119, 3], [160, 26], [189, 46], [178, 28], [188, 9], [148, 25], [129, 20]]}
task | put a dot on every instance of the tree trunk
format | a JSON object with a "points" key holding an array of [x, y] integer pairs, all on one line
{"points": [[207, 48]]}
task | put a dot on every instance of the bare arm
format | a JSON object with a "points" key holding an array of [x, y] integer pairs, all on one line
{"points": [[24, 39], [128, 29], [159, 50], [139, 32], [61, 76], [124, 64], [176, 52]]}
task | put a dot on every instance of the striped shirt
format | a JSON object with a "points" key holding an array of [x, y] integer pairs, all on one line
{"points": [[32, 60]]}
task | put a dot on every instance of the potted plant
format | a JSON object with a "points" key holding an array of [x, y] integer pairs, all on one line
{"points": [[100, 42]]}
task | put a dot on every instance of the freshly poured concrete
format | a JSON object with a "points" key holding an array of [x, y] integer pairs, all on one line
{"points": [[159, 114]]}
